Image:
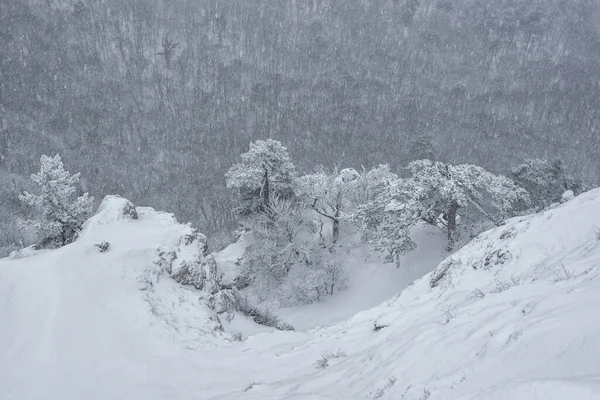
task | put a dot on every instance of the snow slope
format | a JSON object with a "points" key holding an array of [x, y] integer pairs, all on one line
{"points": [[370, 281], [510, 316]]}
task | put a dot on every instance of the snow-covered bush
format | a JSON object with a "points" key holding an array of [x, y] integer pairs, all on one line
{"points": [[262, 316], [103, 247], [57, 213], [545, 181], [266, 172], [329, 355], [312, 283], [286, 258]]}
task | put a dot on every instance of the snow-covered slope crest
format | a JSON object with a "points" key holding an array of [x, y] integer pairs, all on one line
{"points": [[559, 244], [79, 308]]}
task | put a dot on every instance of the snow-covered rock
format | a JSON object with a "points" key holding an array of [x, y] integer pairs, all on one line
{"points": [[567, 196], [114, 208]]}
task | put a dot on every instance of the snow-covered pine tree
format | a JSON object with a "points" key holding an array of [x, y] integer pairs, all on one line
{"points": [[433, 189], [545, 181], [57, 213], [389, 216], [266, 172], [421, 148], [448, 188], [370, 183]]}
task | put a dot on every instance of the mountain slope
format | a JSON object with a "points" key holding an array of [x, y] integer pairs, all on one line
{"points": [[500, 319]]}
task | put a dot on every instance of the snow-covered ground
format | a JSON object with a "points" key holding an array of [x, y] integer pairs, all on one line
{"points": [[510, 316], [370, 282]]}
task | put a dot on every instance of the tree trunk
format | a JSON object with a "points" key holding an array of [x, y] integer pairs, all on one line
{"points": [[265, 190], [336, 218], [451, 218], [336, 225]]}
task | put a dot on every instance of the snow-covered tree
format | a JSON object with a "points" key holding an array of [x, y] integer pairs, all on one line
{"points": [[545, 181], [328, 194], [274, 243], [421, 148], [448, 188], [57, 212], [371, 183], [389, 216], [266, 172], [434, 193]]}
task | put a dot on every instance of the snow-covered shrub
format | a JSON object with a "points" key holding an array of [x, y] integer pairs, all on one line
{"points": [[309, 284], [323, 362], [262, 316], [103, 247], [545, 181], [369, 184], [563, 274], [266, 172], [237, 337], [501, 286], [57, 213], [379, 393], [197, 237]]}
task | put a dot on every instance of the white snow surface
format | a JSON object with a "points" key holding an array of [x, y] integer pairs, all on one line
{"points": [[511, 316]]}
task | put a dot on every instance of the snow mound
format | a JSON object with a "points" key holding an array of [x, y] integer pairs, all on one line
{"points": [[78, 309], [115, 208]]}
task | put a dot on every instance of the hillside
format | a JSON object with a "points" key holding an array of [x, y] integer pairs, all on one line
{"points": [[509, 316]]}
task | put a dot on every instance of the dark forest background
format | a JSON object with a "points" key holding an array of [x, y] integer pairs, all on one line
{"points": [[155, 99]]}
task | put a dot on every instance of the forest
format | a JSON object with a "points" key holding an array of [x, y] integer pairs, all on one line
{"points": [[156, 100]]}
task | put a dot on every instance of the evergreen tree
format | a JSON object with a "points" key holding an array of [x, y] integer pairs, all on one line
{"points": [[545, 181], [389, 216], [434, 192], [448, 188], [422, 149], [265, 173], [57, 214]]}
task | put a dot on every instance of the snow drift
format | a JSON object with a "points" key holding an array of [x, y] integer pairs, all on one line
{"points": [[510, 316]]}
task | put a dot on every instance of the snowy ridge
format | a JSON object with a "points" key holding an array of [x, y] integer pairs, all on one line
{"points": [[76, 309], [500, 319]]}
